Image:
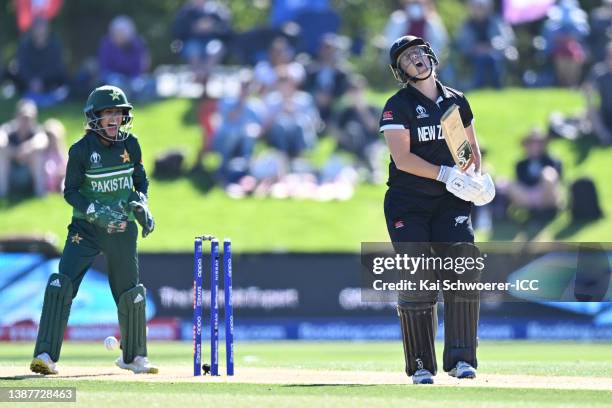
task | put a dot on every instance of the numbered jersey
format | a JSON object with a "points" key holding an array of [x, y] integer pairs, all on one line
{"points": [[410, 109], [108, 174]]}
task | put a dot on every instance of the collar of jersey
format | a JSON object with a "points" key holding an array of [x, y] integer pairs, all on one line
{"points": [[419, 94], [97, 137]]}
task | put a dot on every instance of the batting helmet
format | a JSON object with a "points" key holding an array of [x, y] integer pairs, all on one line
{"points": [[107, 97], [402, 44]]}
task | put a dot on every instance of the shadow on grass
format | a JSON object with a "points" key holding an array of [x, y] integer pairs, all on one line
{"points": [[15, 199], [572, 228], [528, 229], [190, 116], [327, 385], [201, 179], [582, 148], [54, 377]]}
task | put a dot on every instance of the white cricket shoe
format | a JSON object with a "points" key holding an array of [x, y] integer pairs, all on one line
{"points": [[422, 376], [140, 365], [463, 370], [42, 364]]}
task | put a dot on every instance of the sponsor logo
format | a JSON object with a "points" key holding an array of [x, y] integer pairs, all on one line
{"points": [[387, 115], [421, 112], [419, 363], [138, 298], [398, 224], [56, 283]]}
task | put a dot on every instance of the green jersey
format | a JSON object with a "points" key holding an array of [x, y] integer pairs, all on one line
{"points": [[108, 174]]}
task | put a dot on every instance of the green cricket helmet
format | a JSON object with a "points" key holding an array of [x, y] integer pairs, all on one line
{"points": [[107, 97]]}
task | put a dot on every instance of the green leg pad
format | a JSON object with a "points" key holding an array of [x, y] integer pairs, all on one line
{"points": [[54, 317], [133, 324]]}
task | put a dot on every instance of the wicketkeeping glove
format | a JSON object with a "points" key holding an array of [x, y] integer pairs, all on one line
{"points": [[463, 185], [112, 218], [138, 203]]}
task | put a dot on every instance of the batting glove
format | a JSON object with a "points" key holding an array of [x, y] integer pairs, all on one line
{"points": [[463, 185]]}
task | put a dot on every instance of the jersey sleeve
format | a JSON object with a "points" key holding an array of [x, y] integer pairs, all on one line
{"points": [[467, 117], [75, 177], [393, 117], [139, 177]]}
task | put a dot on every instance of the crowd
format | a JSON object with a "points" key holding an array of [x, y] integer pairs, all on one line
{"points": [[296, 86], [32, 156]]}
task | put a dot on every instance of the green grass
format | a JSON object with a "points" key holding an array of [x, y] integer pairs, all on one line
{"points": [[183, 210], [543, 359]]}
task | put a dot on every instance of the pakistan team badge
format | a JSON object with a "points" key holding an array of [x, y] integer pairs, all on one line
{"points": [[115, 94], [76, 239], [125, 156]]}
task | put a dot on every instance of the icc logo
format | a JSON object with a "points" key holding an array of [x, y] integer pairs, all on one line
{"points": [[95, 160], [421, 112]]}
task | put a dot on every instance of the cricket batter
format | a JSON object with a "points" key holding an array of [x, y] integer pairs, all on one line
{"points": [[106, 185], [429, 201]]}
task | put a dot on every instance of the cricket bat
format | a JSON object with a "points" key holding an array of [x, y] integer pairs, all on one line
{"points": [[456, 139]]}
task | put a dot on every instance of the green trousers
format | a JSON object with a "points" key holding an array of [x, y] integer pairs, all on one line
{"points": [[85, 241]]}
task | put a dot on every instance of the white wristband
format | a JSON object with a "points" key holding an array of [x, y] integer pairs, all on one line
{"points": [[443, 174]]}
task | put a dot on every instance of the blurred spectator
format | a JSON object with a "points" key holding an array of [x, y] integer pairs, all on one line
{"points": [[538, 177], [284, 11], [202, 30], [23, 144], [292, 118], [55, 157], [419, 18], [123, 59], [239, 128], [29, 10], [40, 72], [280, 53], [565, 32], [485, 41], [327, 76], [356, 128], [314, 18], [601, 30], [598, 89]]}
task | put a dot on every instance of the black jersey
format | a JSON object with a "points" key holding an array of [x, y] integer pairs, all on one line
{"points": [[410, 109]]}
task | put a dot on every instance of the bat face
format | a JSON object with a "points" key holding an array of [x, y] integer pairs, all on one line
{"points": [[456, 139]]}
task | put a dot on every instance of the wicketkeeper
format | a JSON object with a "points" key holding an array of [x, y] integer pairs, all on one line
{"points": [[429, 200], [106, 185]]}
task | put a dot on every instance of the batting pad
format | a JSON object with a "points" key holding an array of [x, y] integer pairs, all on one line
{"points": [[419, 322], [460, 330], [132, 322], [54, 316]]}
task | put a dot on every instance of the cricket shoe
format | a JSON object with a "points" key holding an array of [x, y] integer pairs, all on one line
{"points": [[422, 376], [42, 364], [463, 370], [140, 365]]}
